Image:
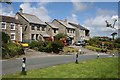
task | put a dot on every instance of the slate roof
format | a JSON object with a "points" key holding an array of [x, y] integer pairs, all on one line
{"points": [[32, 18], [51, 25], [65, 23], [8, 19], [78, 26]]}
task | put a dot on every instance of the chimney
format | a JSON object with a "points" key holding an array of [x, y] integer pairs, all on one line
{"points": [[21, 10], [65, 20]]}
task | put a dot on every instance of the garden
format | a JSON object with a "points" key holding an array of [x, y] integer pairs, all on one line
{"points": [[103, 44], [58, 46], [10, 49]]}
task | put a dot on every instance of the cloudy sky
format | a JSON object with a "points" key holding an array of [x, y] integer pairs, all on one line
{"points": [[91, 15]]}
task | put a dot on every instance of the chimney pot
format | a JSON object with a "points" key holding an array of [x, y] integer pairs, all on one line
{"points": [[21, 10]]}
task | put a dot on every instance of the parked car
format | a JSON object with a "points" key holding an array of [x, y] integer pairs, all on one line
{"points": [[80, 43]]}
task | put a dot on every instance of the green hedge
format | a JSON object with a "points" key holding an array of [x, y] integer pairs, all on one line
{"points": [[11, 50], [55, 46], [93, 48]]}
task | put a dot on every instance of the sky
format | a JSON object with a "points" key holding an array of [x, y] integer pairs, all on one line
{"points": [[91, 15]]}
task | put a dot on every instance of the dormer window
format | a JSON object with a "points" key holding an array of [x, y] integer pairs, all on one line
{"points": [[3, 24], [12, 26]]}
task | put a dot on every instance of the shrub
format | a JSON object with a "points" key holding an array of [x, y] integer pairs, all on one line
{"points": [[5, 53], [117, 45], [57, 46], [93, 48], [33, 44], [5, 38], [69, 49], [60, 35], [48, 47], [41, 48], [98, 49], [11, 50]]}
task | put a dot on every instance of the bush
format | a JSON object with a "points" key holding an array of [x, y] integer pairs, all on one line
{"points": [[41, 48], [5, 38], [15, 50], [33, 44], [60, 35], [49, 48], [98, 49], [93, 48], [70, 49], [117, 45], [57, 46], [11, 50]]}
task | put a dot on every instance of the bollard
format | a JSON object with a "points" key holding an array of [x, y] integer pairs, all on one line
{"points": [[113, 55], [76, 61], [98, 55], [79, 51], [23, 66]]}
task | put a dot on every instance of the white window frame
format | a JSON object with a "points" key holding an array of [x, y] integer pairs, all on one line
{"points": [[1, 25], [14, 36], [14, 26]]}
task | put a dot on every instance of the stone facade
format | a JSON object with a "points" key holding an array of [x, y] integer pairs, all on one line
{"points": [[65, 28], [12, 27], [29, 27], [31, 30]]}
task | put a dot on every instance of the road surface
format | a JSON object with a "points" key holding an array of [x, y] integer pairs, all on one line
{"points": [[34, 62]]}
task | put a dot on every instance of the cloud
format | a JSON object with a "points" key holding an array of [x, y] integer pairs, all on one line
{"points": [[7, 10], [78, 6], [97, 25], [73, 18], [105, 12], [39, 10]]}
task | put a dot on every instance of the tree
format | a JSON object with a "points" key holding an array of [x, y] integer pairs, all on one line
{"points": [[113, 35], [59, 36], [5, 37]]}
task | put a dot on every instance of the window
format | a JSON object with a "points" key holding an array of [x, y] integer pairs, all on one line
{"points": [[12, 36], [3, 25], [68, 30], [38, 28], [49, 29], [32, 36], [25, 28], [55, 30], [43, 28], [32, 27], [37, 36], [73, 31], [12, 26]]}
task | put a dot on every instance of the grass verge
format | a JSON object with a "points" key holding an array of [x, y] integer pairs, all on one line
{"points": [[96, 68]]}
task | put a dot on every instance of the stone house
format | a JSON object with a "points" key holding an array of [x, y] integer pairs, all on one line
{"points": [[12, 27], [82, 33], [52, 30], [33, 28], [65, 28]]}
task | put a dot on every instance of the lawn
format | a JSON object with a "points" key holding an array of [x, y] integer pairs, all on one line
{"points": [[95, 68]]}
